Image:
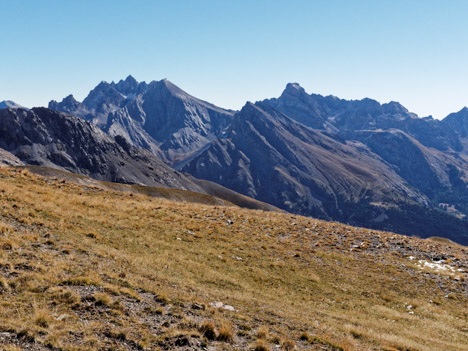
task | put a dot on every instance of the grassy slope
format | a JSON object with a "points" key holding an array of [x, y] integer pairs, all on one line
{"points": [[86, 268], [215, 193]]}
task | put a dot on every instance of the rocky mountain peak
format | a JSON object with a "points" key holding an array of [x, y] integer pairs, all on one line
{"points": [[10, 104], [127, 86], [171, 88], [394, 107], [464, 111], [69, 99], [104, 94], [250, 110], [69, 105], [130, 79], [293, 89], [457, 122], [457, 116], [156, 116]]}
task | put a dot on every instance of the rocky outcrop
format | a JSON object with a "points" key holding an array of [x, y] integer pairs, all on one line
{"points": [[8, 159]]}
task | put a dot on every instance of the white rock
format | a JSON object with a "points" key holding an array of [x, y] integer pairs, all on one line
{"points": [[219, 304]]}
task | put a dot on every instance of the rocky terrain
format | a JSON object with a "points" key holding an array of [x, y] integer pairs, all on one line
{"points": [[337, 115]]}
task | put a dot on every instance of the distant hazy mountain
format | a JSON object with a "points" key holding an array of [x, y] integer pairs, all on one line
{"points": [[10, 104], [157, 116]]}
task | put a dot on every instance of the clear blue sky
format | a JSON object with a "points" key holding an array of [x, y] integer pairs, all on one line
{"points": [[228, 52]]}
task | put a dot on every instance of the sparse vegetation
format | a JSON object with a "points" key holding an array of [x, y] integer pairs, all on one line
{"points": [[261, 345], [42, 318], [208, 330], [225, 333], [262, 332], [157, 265], [102, 299], [288, 345]]}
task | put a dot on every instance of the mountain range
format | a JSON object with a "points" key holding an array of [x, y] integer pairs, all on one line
{"points": [[358, 162]]}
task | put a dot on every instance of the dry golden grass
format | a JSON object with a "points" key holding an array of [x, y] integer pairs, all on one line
{"points": [[86, 269], [225, 333], [208, 330], [261, 345], [262, 332]]}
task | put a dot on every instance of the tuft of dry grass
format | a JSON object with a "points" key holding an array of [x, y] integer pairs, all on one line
{"points": [[208, 330], [261, 345], [66, 296], [262, 332], [4, 286], [11, 348], [102, 299], [131, 293], [42, 318], [83, 280], [225, 333], [288, 345]]}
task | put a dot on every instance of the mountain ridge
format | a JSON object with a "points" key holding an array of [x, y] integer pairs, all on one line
{"points": [[48, 140]]}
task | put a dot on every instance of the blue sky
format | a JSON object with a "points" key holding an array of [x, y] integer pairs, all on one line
{"points": [[229, 52]]}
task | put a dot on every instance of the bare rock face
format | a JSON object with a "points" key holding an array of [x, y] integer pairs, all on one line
{"points": [[157, 116], [54, 139]]}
